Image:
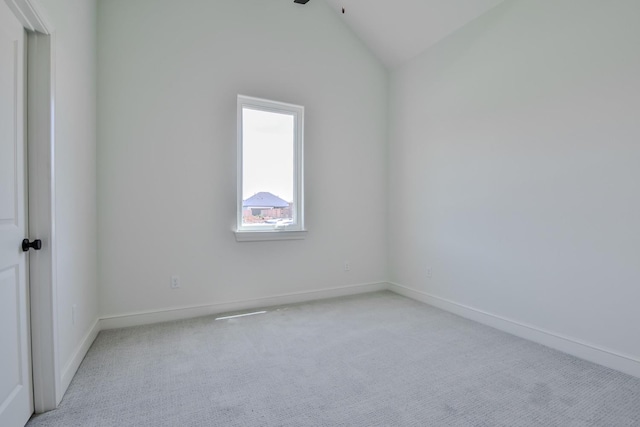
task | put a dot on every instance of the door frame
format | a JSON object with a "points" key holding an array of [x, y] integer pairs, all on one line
{"points": [[40, 141]]}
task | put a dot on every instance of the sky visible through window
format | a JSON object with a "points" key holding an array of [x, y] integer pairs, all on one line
{"points": [[267, 153]]}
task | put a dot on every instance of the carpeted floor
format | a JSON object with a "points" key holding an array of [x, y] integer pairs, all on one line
{"points": [[371, 360]]}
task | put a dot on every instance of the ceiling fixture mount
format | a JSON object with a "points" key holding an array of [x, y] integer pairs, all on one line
{"points": [[301, 1]]}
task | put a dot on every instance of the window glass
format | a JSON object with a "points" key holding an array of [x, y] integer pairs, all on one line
{"points": [[270, 165], [267, 167]]}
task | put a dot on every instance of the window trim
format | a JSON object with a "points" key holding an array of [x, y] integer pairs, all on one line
{"points": [[268, 232]]}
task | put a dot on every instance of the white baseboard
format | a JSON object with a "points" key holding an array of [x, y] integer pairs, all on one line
{"points": [[73, 364], [609, 358], [147, 317], [142, 318], [605, 357]]}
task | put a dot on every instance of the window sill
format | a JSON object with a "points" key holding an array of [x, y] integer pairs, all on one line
{"points": [[267, 235]]}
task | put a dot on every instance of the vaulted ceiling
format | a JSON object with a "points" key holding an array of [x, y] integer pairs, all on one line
{"points": [[398, 30]]}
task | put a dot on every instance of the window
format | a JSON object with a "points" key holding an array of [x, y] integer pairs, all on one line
{"points": [[270, 170]]}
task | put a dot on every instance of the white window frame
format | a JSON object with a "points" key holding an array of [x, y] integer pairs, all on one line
{"points": [[268, 231]]}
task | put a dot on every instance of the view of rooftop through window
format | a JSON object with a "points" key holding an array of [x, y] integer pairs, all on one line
{"points": [[268, 167]]}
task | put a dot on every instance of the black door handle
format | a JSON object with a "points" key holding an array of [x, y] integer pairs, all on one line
{"points": [[36, 244]]}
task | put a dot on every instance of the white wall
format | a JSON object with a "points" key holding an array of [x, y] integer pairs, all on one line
{"points": [[74, 24], [514, 170], [169, 74]]}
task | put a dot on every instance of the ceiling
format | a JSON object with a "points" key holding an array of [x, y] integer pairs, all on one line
{"points": [[398, 30]]}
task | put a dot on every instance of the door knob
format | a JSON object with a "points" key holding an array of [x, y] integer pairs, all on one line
{"points": [[36, 244]]}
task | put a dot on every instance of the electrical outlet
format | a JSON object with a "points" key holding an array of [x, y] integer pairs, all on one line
{"points": [[347, 266], [73, 314], [175, 282], [429, 272]]}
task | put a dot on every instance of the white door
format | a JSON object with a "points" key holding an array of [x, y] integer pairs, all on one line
{"points": [[16, 397]]}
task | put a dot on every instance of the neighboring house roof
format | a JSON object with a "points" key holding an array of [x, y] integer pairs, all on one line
{"points": [[264, 200]]}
